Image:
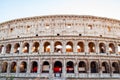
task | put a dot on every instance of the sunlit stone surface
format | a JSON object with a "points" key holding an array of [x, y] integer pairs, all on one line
{"points": [[60, 47]]}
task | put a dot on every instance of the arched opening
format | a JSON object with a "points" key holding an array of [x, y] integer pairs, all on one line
{"points": [[35, 47], [47, 47], [45, 67], [16, 48], [34, 67], [115, 67], [94, 67], [91, 47], [105, 67], [111, 48], [82, 67], [4, 67], [57, 67], [26, 48], [119, 48], [102, 48], [8, 48], [23, 67], [1, 48], [80, 47], [58, 47], [70, 67], [13, 67], [69, 47]]}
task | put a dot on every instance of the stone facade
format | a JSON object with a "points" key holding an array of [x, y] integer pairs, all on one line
{"points": [[60, 47]]}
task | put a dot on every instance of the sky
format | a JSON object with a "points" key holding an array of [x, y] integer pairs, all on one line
{"points": [[13, 9]]}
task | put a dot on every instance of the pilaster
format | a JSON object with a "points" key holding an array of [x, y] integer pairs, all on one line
{"points": [[52, 47], [86, 47], [30, 47], [28, 65], [8, 68]]}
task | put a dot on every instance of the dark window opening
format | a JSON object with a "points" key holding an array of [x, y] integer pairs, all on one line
{"points": [[80, 34], [36, 34], [94, 67], [58, 67], [82, 67], [34, 67], [45, 67], [23, 67], [58, 34], [70, 67]]}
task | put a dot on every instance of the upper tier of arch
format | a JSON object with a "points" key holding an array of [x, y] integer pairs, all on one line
{"points": [[60, 25]]}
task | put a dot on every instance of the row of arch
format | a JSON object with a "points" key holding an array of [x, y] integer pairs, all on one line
{"points": [[58, 47], [58, 67]]}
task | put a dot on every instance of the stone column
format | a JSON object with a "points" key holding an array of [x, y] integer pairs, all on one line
{"points": [[18, 67], [76, 68], [86, 47], [51, 68], [8, 68], [110, 66], [75, 47], [30, 47], [0, 66], [100, 67], [28, 65], [41, 64], [107, 48], [41, 47], [20, 48], [12, 48], [64, 47], [97, 47], [88, 67], [39, 67], [116, 48], [64, 68], [52, 47]]}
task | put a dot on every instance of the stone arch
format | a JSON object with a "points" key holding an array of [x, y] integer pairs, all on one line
{"points": [[82, 67], [91, 46], [115, 67], [26, 47], [8, 48], [35, 47], [57, 67], [80, 47], [102, 48], [94, 67], [16, 48], [13, 67], [105, 67], [23, 67], [58, 46], [70, 67], [111, 48], [4, 67], [45, 67], [34, 67], [47, 47], [69, 47]]}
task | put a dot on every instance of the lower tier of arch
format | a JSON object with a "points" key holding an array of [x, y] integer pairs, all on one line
{"points": [[60, 67]]}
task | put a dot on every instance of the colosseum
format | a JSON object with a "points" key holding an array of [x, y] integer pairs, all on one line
{"points": [[60, 47]]}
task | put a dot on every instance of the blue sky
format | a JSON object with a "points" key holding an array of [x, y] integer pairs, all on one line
{"points": [[12, 9]]}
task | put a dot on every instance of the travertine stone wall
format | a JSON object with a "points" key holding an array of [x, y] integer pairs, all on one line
{"points": [[60, 24]]}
